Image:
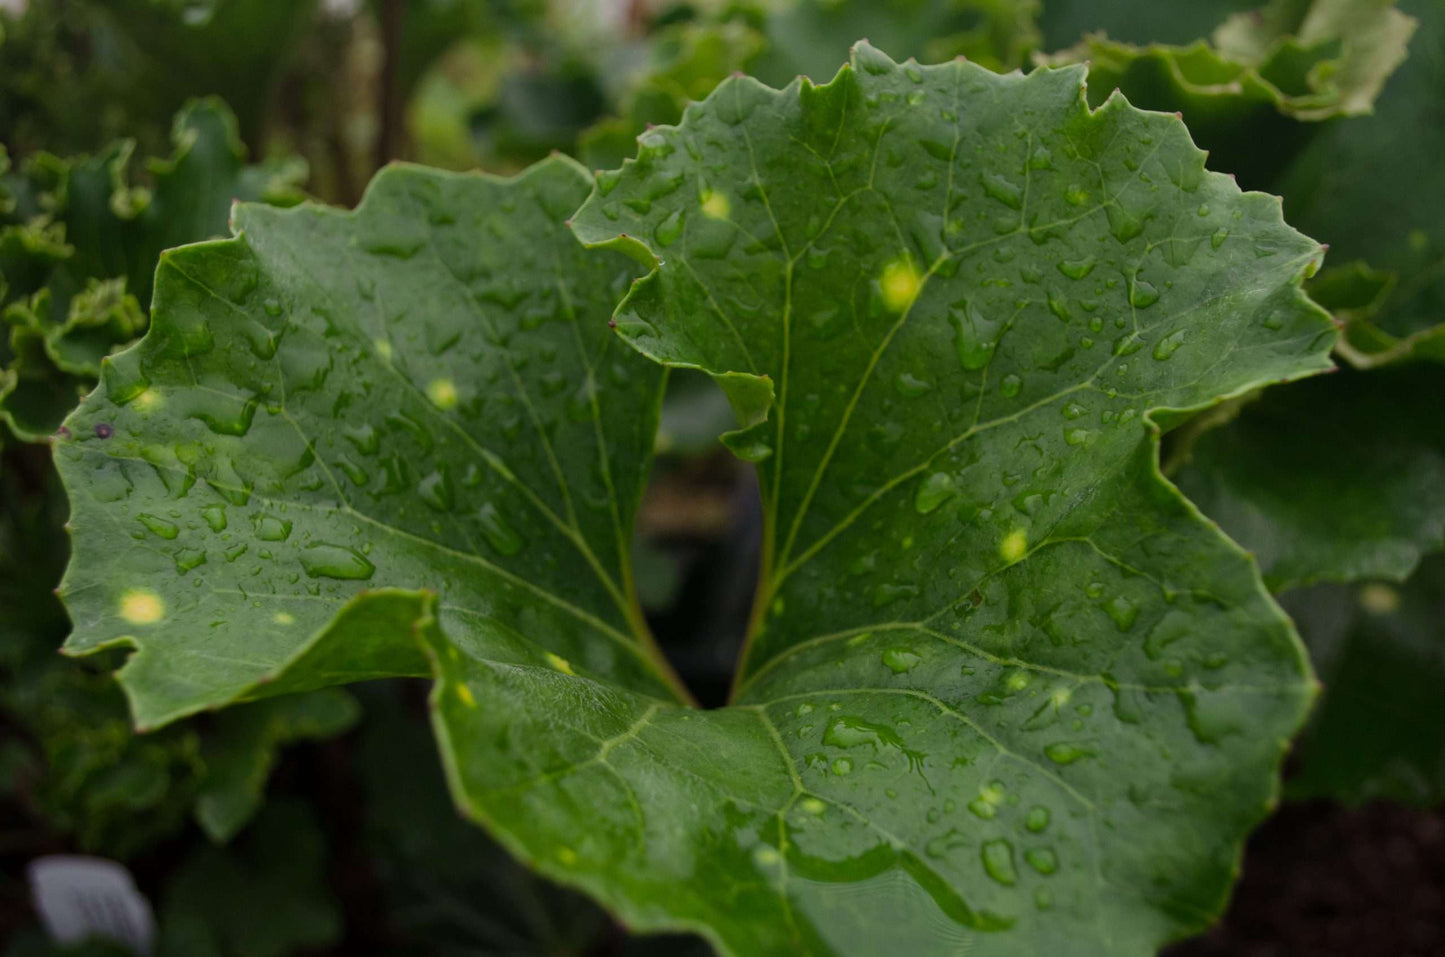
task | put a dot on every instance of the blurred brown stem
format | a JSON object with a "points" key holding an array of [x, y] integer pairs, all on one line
{"points": [[388, 140]]}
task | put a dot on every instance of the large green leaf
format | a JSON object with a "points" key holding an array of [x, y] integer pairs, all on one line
{"points": [[1380, 651], [1250, 96], [1007, 690], [910, 466], [447, 323]]}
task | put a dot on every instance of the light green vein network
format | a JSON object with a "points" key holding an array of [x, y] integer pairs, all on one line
{"points": [[1006, 691]]}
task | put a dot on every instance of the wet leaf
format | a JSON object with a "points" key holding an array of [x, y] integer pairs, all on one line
{"points": [[1034, 703], [460, 375]]}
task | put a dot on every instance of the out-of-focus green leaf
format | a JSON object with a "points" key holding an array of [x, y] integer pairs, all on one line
{"points": [[234, 49], [694, 413], [119, 229], [1338, 479], [79, 248], [1373, 190], [79, 73], [687, 61], [62, 69], [448, 888], [1247, 96], [240, 748], [83, 772], [1064, 22], [34, 942], [500, 106], [265, 896], [1380, 651], [811, 37], [462, 83], [430, 27]]}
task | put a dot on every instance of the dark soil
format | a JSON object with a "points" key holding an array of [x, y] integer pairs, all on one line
{"points": [[1325, 881]]}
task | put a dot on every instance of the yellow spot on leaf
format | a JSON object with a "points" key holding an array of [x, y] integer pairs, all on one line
{"points": [[141, 607], [283, 618], [567, 856], [899, 284], [1014, 545], [715, 205], [383, 349], [443, 393], [560, 663], [464, 694], [147, 401]]}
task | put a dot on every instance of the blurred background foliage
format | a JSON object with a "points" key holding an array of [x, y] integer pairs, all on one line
{"points": [[130, 126]]}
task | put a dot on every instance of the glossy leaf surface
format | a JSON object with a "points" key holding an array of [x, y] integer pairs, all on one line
{"points": [[1007, 690], [411, 325]]}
